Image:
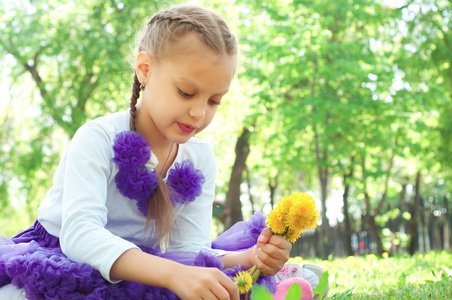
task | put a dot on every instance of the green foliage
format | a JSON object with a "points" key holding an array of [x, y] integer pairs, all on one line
{"points": [[12, 221], [77, 56], [422, 276], [257, 293], [260, 293], [345, 295], [295, 292], [323, 284]]}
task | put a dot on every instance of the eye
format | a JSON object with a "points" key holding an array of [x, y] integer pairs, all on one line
{"points": [[184, 94], [214, 102]]}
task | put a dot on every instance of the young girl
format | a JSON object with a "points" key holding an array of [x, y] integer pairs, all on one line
{"points": [[137, 180]]}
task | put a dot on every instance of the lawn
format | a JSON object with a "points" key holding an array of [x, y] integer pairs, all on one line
{"points": [[422, 276]]}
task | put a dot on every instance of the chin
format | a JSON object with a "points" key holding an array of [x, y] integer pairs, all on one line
{"points": [[182, 140]]}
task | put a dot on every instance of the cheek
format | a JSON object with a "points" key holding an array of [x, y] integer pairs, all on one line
{"points": [[207, 120], [210, 115]]}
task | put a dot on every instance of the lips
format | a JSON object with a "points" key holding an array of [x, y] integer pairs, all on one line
{"points": [[187, 128]]}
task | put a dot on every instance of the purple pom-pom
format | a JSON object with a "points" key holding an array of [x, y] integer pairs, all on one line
{"points": [[137, 184], [134, 180], [186, 181], [131, 150]]}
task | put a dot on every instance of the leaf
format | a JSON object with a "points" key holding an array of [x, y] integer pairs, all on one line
{"points": [[259, 293], [346, 295], [402, 279], [320, 288], [295, 292]]}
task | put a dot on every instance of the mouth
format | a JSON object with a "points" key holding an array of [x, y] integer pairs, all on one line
{"points": [[187, 128]]}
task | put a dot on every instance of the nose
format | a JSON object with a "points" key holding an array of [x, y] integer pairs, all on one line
{"points": [[198, 109]]}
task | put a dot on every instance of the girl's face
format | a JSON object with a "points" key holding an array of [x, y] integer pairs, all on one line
{"points": [[184, 90]]}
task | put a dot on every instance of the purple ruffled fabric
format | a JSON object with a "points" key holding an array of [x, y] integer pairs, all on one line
{"points": [[137, 184], [242, 235], [131, 150], [34, 261], [134, 180], [186, 181]]}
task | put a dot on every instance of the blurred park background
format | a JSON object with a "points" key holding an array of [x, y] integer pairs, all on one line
{"points": [[347, 100]]}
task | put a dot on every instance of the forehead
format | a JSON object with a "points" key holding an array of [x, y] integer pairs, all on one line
{"points": [[193, 60]]}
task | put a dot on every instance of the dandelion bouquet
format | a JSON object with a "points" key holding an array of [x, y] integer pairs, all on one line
{"points": [[292, 215]]}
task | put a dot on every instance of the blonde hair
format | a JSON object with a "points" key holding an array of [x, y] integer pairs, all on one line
{"points": [[162, 32]]}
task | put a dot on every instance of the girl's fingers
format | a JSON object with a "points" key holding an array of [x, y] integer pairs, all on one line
{"points": [[231, 288], [225, 288]]}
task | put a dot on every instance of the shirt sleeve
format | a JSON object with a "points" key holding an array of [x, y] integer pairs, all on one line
{"points": [[192, 227], [83, 236]]}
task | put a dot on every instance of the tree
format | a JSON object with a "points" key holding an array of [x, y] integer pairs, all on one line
{"points": [[76, 57], [313, 78], [233, 207]]}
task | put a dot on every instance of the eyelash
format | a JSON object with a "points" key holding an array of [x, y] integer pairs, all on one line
{"points": [[187, 95], [214, 102], [184, 94]]}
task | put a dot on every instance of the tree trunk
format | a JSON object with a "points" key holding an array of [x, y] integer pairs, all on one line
{"points": [[446, 226], [250, 195], [272, 184], [398, 221], [370, 220], [233, 211], [324, 176], [348, 227], [412, 223]]}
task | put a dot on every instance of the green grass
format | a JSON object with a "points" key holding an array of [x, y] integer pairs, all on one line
{"points": [[423, 276]]}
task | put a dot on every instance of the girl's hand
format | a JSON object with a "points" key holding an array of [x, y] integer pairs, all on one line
{"points": [[203, 283], [271, 253]]}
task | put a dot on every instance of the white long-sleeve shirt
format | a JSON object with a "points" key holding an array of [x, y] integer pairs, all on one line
{"points": [[94, 222]]}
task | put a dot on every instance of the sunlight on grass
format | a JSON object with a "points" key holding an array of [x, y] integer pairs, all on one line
{"points": [[423, 276]]}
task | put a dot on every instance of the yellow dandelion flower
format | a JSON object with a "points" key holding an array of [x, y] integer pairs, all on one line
{"points": [[244, 282], [315, 219], [295, 260], [292, 235], [276, 224], [371, 257], [284, 206], [303, 213], [385, 254]]}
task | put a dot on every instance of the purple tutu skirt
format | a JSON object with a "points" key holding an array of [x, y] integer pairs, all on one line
{"points": [[33, 260]]}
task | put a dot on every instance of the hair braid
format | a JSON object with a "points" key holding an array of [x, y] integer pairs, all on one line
{"points": [[133, 102], [173, 17]]}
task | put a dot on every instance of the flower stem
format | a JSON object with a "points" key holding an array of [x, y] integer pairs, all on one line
{"points": [[254, 272]]}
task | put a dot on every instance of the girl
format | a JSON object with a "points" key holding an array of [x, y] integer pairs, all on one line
{"points": [[137, 180]]}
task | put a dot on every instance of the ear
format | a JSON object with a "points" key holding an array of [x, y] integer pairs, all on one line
{"points": [[143, 66]]}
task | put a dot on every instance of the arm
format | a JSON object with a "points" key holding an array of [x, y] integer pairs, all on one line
{"points": [[185, 281]]}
